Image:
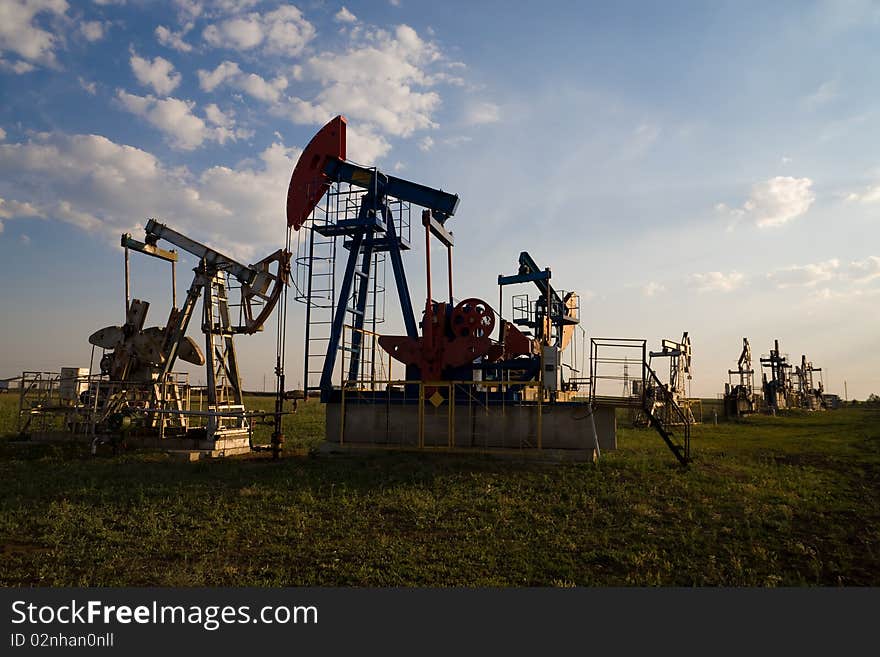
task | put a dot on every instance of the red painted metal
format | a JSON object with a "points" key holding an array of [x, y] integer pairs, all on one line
{"points": [[472, 318], [308, 182], [515, 342], [471, 322]]}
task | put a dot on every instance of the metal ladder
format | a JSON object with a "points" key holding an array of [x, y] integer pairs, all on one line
{"points": [[316, 288], [663, 412]]}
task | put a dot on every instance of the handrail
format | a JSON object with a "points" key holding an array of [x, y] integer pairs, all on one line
{"points": [[669, 401]]}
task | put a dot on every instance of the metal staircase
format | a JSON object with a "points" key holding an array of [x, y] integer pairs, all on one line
{"points": [[611, 363], [664, 413]]}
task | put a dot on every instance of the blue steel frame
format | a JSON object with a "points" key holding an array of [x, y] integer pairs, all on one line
{"points": [[373, 230]]}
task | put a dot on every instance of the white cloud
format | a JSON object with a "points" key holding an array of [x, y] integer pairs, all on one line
{"points": [[159, 73], [16, 210], [482, 112], [652, 288], [774, 202], [864, 271], [256, 87], [344, 16], [869, 195], [236, 33], [175, 118], [364, 145], [216, 116], [174, 40], [380, 80], [2, 134], [252, 84], [89, 87], [284, 31], [18, 67], [457, 140], [826, 92], [716, 281], [302, 112], [103, 186], [210, 80], [426, 144], [189, 9], [21, 34], [805, 275], [830, 279], [92, 30]]}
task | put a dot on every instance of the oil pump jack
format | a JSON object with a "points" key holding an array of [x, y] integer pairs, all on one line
{"points": [[675, 389], [474, 383], [139, 393], [810, 396], [739, 395], [372, 229], [778, 389], [550, 320]]}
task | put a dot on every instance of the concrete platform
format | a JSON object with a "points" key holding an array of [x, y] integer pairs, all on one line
{"points": [[524, 428]]}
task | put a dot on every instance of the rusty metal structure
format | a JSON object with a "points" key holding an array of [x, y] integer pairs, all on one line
{"points": [[739, 391], [462, 377], [136, 393]]}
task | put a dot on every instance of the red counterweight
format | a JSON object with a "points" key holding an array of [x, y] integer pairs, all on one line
{"points": [[309, 182]]}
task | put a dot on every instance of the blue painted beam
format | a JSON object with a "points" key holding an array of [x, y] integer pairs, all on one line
{"points": [[442, 203], [524, 278]]}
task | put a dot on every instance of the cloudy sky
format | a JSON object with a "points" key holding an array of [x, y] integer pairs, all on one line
{"points": [[709, 167]]}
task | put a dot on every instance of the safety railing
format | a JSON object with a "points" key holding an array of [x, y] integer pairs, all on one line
{"points": [[618, 371], [92, 404], [375, 364], [621, 377]]}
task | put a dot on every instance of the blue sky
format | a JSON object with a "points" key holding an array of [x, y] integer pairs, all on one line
{"points": [[700, 166]]}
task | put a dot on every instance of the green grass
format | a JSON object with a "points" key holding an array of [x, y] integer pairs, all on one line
{"points": [[769, 501]]}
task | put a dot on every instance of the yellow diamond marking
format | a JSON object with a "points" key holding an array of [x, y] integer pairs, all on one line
{"points": [[436, 399]]}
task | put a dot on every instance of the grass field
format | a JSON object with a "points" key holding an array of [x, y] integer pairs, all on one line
{"points": [[769, 501]]}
